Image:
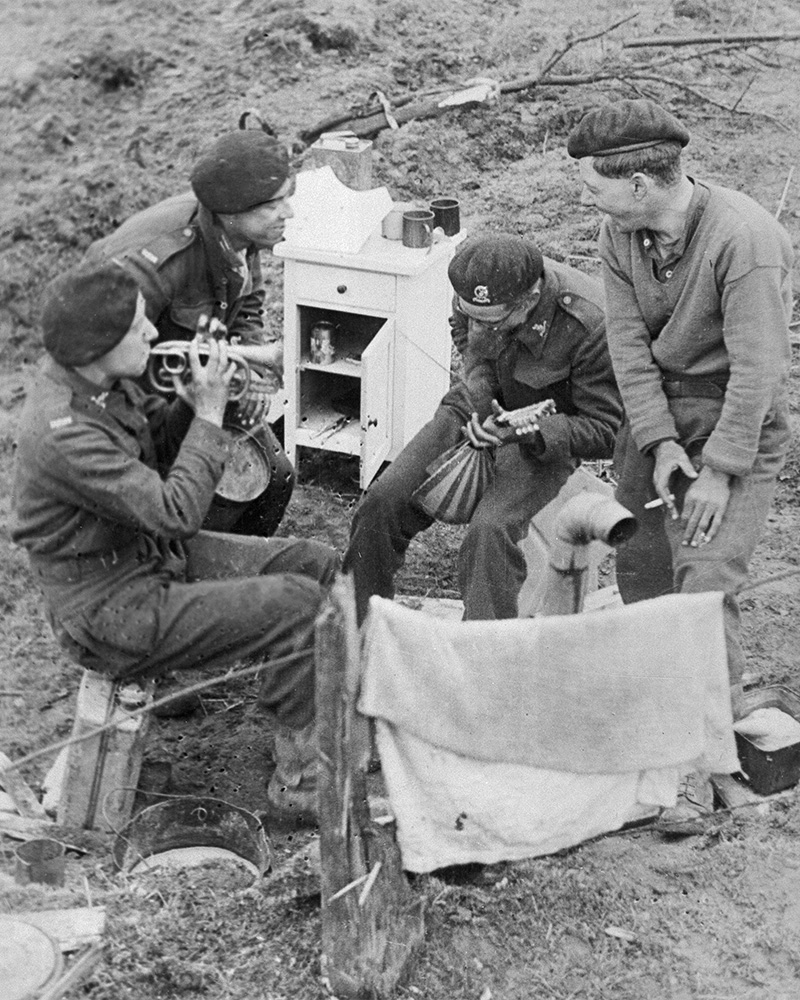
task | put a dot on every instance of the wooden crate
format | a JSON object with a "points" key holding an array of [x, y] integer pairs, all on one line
{"points": [[102, 772]]}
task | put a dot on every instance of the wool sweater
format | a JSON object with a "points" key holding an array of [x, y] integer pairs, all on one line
{"points": [[720, 306]]}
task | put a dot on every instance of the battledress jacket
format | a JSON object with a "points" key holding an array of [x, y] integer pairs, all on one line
{"points": [[558, 353], [184, 269], [108, 485], [716, 312]]}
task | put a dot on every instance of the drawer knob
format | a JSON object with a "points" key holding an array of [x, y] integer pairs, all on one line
{"points": [[372, 422], [341, 289]]}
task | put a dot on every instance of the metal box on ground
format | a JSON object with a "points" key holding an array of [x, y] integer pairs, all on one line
{"points": [[102, 772], [770, 771]]}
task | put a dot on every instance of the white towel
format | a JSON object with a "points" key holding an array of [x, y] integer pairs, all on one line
{"points": [[504, 740]]}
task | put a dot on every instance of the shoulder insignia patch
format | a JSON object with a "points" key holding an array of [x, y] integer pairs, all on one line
{"points": [[148, 255], [60, 422]]}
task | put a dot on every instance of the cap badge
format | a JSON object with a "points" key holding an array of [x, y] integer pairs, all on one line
{"points": [[480, 296]]}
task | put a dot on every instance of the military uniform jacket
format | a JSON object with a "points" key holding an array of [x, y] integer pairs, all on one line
{"points": [[107, 485], [183, 267], [558, 353]]}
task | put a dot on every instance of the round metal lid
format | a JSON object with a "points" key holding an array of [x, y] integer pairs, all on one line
{"points": [[29, 959]]}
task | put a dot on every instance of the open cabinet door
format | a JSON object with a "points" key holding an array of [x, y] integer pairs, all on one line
{"points": [[377, 364]]}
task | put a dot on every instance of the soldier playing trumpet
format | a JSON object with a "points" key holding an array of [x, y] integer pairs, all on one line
{"points": [[197, 254]]}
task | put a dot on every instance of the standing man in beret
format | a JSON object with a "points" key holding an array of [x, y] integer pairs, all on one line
{"points": [[698, 299], [529, 329], [111, 490], [198, 253]]}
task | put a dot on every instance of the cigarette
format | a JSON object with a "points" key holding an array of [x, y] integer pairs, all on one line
{"points": [[658, 502]]}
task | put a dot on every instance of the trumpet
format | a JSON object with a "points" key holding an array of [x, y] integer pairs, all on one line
{"points": [[172, 359]]}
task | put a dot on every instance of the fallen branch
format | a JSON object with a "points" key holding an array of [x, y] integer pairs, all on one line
{"points": [[739, 38], [368, 120]]}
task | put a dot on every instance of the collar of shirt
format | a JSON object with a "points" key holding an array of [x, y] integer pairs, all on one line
{"points": [[117, 402], [678, 249], [533, 331], [223, 259]]}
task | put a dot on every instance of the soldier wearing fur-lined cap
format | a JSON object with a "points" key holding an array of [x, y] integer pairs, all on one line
{"points": [[198, 253]]}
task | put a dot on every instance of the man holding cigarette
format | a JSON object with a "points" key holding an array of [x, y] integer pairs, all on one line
{"points": [[698, 299], [111, 490], [198, 253]]}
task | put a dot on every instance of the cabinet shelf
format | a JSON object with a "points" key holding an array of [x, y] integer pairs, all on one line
{"points": [[351, 367], [388, 307]]}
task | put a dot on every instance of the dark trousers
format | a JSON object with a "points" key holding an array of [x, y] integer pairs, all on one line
{"points": [[491, 567], [216, 600], [655, 562]]}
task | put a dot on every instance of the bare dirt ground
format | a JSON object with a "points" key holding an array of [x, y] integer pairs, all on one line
{"points": [[103, 105]]}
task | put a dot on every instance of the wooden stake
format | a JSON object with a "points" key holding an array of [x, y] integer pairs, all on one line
{"points": [[369, 939]]}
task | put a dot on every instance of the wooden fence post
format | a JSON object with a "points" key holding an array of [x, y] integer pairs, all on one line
{"points": [[372, 924]]}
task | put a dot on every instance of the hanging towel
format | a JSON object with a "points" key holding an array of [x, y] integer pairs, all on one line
{"points": [[627, 689], [452, 810], [512, 739]]}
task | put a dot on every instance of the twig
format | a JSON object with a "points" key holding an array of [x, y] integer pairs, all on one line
{"points": [[347, 888], [781, 203], [669, 81], [770, 579], [200, 686], [369, 883], [740, 38], [738, 100], [542, 76]]}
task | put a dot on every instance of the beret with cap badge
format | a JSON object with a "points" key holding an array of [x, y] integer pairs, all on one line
{"points": [[239, 171], [624, 126], [87, 311], [495, 269]]}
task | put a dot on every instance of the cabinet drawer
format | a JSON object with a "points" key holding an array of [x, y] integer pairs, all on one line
{"points": [[341, 286]]}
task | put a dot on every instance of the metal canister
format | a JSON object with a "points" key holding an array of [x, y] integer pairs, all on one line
{"points": [[322, 352]]}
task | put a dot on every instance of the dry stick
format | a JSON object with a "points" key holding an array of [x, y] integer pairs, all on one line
{"points": [[740, 38], [781, 203], [738, 100], [558, 55], [192, 689], [362, 898], [770, 579], [702, 97]]}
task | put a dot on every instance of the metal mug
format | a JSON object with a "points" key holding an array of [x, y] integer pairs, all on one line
{"points": [[418, 228], [446, 215], [40, 860], [392, 225]]}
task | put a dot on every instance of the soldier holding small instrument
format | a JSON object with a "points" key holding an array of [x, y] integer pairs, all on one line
{"points": [[530, 330], [112, 488], [197, 254]]}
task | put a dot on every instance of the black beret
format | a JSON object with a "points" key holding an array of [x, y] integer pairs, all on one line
{"points": [[239, 171], [624, 126], [495, 269], [87, 311]]}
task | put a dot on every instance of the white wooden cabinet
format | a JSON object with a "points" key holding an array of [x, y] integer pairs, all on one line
{"points": [[392, 345]]}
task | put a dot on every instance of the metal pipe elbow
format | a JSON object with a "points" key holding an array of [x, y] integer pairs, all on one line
{"points": [[589, 517]]}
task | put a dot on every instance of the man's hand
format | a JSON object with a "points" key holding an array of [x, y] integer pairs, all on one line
{"points": [[490, 433], [705, 505], [211, 382], [670, 458]]}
